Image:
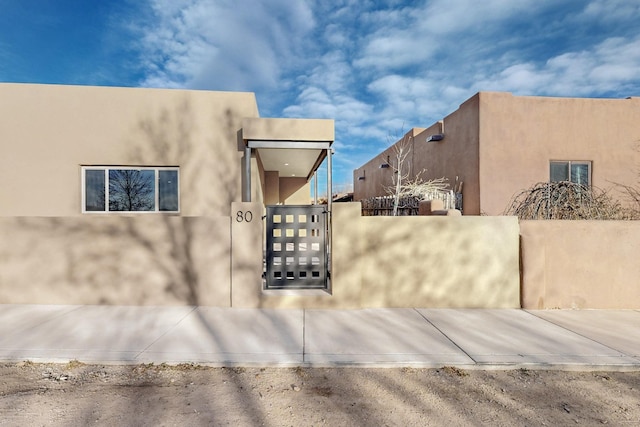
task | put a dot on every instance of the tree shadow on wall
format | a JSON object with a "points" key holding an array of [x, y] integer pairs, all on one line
{"points": [[142, 258], [428, 261], [207, 155]]}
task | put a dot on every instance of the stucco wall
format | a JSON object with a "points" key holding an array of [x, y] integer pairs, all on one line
{"points": [[498, 145], [376, 262], [162, 260], [141, 260], [412, 262], [47, 132], [287, 129], [377, 180], [439, 262], [294, 191], [580, 264], [519, 135], [454, 158]]}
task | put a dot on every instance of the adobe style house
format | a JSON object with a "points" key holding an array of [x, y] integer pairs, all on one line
{"points": [[498, 145], [130, 196], [99, 185], [62, 146], [136, 196]]}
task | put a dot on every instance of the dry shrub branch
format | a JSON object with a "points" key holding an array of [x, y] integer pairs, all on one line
{"points": [[424, 190], [568, 200], [632, 194]]}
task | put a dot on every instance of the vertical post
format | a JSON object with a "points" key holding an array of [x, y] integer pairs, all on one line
{"points": [[329, 183], [315, 187], [329, 200], [246, 187]]}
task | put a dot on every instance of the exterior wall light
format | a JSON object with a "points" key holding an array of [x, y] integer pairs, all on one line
{"points": [[384, 166], [436, 137]]}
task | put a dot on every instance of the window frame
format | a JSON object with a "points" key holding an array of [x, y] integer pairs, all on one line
{"points": [[107, 169], [569, 163]]}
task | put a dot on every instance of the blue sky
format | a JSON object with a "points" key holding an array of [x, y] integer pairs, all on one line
{"points": [[378, 68]]}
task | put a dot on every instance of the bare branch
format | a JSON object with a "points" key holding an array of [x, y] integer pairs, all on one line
{"points": [[567, 200]]}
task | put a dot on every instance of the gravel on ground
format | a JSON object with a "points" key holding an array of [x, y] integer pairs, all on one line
{"points": [[76, 394]]}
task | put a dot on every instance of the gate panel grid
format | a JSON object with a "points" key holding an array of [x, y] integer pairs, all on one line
{"points": [[296, 255]]}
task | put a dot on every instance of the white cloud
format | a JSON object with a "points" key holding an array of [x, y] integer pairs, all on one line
{"points": [[522, 78], [223, 44], [612, 10], [396, 50], [441, 27], [403, 97], [454, 16], [607, 67], [316, 102], [619, 60]]}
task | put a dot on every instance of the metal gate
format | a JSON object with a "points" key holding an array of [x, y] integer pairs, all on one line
{"points": [[296, 255]]}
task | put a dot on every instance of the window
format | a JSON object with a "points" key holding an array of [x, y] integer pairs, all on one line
{"points": [[574, 171], [130, 189]]}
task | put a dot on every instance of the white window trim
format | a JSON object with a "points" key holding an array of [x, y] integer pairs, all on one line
{"points": [[576, 162], [106, 169]]}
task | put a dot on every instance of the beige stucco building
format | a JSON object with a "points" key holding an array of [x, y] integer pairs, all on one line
{"points": [[498, 145], [50, 132], [176, 197], [133, 195], [152, 197]]}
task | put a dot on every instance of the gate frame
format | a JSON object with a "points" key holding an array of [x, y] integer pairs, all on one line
{"points": [[296, 240], [255, 144]]}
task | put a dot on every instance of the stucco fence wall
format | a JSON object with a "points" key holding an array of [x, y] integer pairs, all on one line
{"points": [[427, 261], [580, 264], [138, 260], [490, 262], [217, 261]]}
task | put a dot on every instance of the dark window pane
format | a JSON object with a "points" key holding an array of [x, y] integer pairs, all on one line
{"points": [[131, 190], [168, 190], [94, 189], [559, 171], [580, 173]]}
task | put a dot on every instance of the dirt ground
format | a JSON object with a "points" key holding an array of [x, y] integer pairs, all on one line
{"points": [[75, 394]]}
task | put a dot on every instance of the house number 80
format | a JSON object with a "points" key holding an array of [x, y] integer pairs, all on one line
{"points": [[246, 216]]}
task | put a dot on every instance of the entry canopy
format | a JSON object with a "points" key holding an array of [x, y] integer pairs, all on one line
{"points": [[292, 147]]}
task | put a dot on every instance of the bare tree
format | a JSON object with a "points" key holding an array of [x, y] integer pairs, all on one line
{"points": [[401, 170], [131, 190], [402, 185]]}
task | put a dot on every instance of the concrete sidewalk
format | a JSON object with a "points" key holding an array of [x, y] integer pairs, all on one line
{"points": [[465, 338]]}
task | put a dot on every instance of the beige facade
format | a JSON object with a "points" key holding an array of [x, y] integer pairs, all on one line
{"points": [[231, 164], [580, 264], [217, 261], [409, 262], [55, 250], [498, 144], [48, 132]]}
